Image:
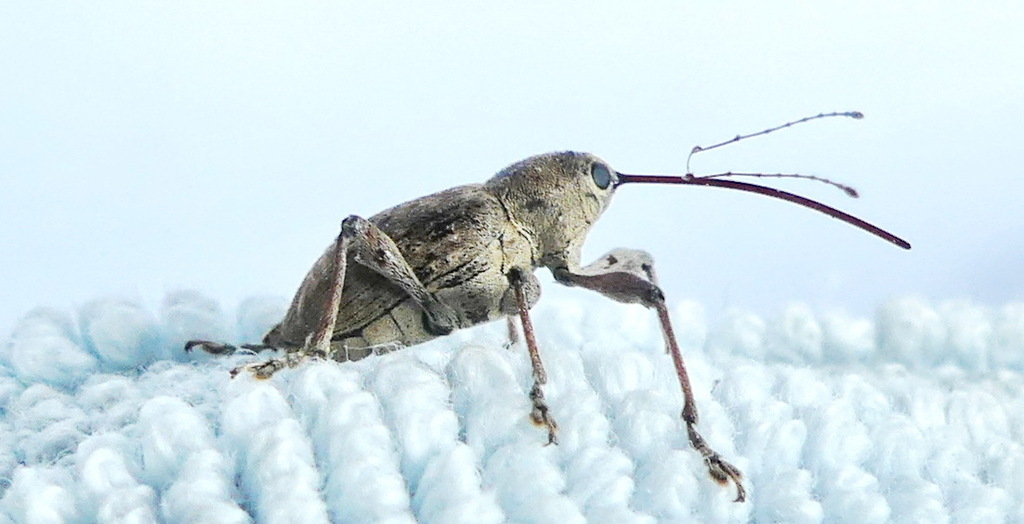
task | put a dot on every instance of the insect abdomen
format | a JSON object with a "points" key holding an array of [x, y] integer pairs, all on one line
{"points": [[400, 327]]}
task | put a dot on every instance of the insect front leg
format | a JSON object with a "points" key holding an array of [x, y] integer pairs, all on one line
{"points": [[525, 290], [627, 275]]}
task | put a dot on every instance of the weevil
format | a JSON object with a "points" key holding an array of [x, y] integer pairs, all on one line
{"points": [[467, 255]]}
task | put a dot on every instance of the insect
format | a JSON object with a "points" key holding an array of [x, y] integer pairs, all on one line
{"points": [[466, 256]]}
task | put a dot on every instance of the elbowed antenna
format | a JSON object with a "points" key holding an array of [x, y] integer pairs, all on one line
{"points": [[716, 181]]}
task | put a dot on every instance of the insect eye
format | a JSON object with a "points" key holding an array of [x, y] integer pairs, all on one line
{"points": [[602, 176]]}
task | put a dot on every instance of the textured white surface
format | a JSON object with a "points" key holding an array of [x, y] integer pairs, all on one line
{"points": [[916, 416]]}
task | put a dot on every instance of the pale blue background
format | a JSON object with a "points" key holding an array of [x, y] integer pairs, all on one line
{"points": [[147, 147]]}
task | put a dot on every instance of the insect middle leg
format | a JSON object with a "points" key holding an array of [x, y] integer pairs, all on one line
{"points": [[627, 275], [540, 414], [374, 249]]}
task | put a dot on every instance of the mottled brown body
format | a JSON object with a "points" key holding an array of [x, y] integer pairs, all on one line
{"points": [[461, 244]]}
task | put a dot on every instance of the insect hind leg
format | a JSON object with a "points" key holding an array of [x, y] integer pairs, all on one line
{"points": [[223, 348], [209, 346], [318, 343]]}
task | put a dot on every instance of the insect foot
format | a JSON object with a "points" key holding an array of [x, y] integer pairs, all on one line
{"points": [[541, 414], [720, 470], [261, 370], [266, 369]]}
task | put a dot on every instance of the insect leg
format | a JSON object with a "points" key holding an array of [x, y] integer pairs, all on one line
{"points": [[513, 331], [718, 468], [223, 348], [318, 343], [540, 414], [374, 249], [627, 275], [209, 346]]}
